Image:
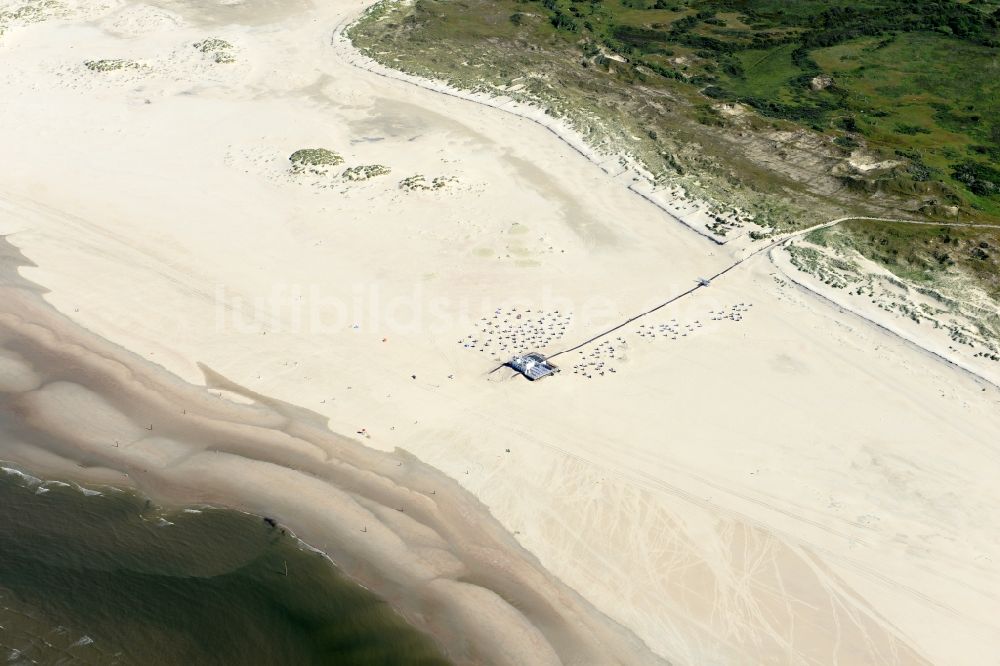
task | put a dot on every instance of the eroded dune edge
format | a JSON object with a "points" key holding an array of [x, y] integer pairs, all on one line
{"points": [[74, 404]]}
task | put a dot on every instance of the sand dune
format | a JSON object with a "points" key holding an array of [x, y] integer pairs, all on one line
{"points": [[791, 485]]}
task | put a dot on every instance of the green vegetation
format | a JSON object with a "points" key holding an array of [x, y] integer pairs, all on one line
{"points": [[318, 161], [792, 112], [365, 172], [419, 182], [29, 12], [946, 277], [813, 261], [110, 65], [913, 80], [219, 49], [922, 254], [910, 86], [932, 102]]}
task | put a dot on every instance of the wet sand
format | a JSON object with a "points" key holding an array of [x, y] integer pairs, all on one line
{"points": [[76, 405]]}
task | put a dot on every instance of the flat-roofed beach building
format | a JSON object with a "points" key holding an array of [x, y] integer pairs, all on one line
{"points": [[533, 366]]}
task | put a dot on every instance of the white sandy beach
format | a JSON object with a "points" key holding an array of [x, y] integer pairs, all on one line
{"points": [[766, 479]]}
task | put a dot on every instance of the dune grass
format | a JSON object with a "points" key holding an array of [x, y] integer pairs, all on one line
{"points": [[922, 253], [893, 106]]}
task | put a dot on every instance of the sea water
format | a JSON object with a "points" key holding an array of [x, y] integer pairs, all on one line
{"points": [[101, 576]]}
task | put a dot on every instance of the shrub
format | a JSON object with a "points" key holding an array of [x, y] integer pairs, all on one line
{"points": [[911, 129], [366, 172], [219, 49], [981, 179], [314, 160], [110, 65]]}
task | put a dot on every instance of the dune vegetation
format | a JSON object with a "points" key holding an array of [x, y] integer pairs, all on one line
{"points": [[795, 112], [317, 161]]}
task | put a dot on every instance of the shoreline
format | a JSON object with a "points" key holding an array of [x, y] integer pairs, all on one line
{"points": [[429, 548], [88, 489], [175, 570]]}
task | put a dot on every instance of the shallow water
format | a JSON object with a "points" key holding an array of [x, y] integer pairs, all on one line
{"points": [[111, 579]]}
